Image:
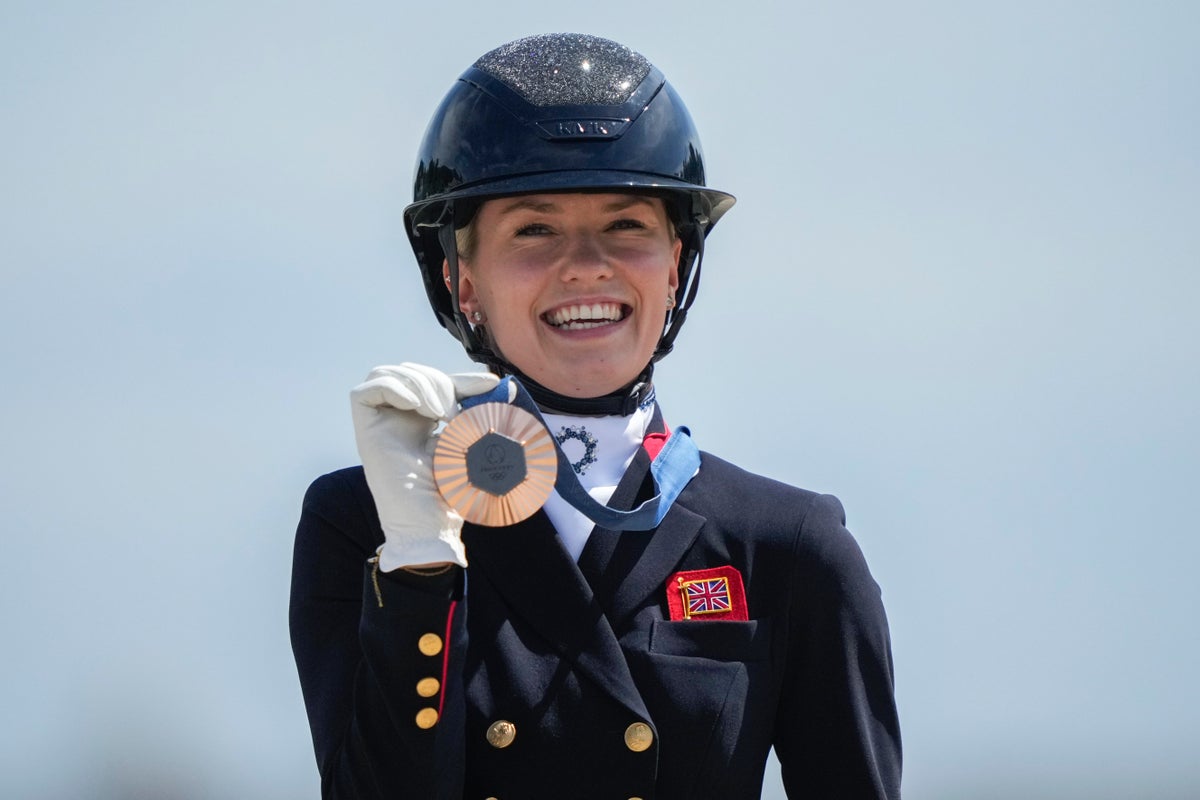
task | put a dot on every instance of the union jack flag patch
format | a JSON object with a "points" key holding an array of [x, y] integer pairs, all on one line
{"points": [[707, 594], [705, 597]]}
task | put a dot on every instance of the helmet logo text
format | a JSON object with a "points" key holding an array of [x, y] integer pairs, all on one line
{"points": [[583, 128]]}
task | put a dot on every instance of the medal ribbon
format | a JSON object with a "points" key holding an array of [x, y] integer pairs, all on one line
{"points": [[671, 469]]}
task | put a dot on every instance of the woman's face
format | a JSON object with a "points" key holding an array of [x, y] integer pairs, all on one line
{"points": [[574, 287]]}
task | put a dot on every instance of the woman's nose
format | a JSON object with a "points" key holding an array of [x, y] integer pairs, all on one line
{"points": [[586, 258]]}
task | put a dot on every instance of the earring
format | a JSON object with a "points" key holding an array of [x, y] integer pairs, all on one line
{"points": [[670, 301], [478, 318]]}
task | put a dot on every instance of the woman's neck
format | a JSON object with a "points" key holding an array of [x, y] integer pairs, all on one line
{"points": [[623, 402]]}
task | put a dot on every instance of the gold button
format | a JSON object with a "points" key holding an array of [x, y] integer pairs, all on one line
{"points": [[639, 737], [430, 644], [428, 687], [501, 733], [427, 718]]}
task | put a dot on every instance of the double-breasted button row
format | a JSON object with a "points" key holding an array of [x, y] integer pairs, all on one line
{"points": [[639, 736], [430, 644]]}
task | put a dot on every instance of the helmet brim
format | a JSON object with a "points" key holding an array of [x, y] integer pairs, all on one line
{"points": [[711, 204]]}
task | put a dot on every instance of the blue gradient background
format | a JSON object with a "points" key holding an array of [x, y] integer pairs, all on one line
{"points": [[959, 291]]}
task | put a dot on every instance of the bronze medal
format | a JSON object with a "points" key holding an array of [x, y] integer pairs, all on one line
{"points": [[495, 464]]}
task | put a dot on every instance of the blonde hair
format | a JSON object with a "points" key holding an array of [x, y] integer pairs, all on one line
{"points": [[464, 239]]}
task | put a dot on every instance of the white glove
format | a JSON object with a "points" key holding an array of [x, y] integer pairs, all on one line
{"points": [[396, 411]]}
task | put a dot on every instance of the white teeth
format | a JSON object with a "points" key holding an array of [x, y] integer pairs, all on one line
{"points": [[575, 318]]}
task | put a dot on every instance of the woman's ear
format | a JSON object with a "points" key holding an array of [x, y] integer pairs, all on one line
{"points": [[468, 299], [673, 276]]}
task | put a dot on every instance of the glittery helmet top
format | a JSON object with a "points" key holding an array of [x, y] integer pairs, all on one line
{"points": [[567, 70], [556, 113]]}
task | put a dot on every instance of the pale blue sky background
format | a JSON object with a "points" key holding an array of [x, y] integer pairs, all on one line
{"points": [[959, 291]]}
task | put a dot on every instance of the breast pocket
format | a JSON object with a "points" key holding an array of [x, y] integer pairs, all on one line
{"points": [[720, 641]]}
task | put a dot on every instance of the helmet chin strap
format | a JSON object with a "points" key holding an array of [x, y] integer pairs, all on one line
{"points": [[476, 347], [693, 249]]}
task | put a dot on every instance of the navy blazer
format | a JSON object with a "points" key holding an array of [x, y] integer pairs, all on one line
{"points": [[552, 679]]}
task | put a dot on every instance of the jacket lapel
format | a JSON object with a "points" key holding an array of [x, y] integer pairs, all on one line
{"points": [[626, 567], [544, 587], [666, 548]]}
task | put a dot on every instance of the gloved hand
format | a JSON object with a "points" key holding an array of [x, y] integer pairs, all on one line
{"points": [[396, 411]]}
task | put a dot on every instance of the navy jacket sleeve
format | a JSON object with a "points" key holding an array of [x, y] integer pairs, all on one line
{"points": [[838, 733], [381, 727]]}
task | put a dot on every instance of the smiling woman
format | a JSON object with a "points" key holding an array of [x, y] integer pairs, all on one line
{"points": [[663, 619]]}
